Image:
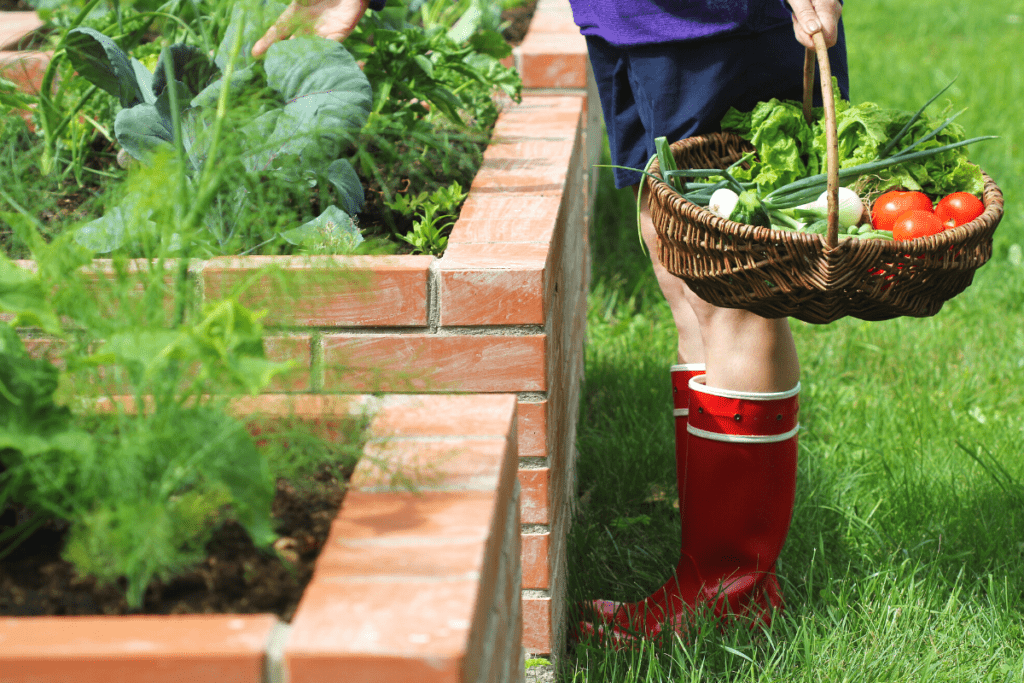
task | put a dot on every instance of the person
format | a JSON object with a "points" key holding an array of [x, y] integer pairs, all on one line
{"points": [[332, 19], [673, 68]]}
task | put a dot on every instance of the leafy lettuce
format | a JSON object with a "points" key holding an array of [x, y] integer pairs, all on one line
{"points": [[789, 149]]}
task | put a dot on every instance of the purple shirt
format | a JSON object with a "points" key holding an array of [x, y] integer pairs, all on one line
{"points": [[639, 22]]}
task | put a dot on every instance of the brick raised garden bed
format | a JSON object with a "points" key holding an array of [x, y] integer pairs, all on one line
{"points": [[410, 586], [502, 312]]}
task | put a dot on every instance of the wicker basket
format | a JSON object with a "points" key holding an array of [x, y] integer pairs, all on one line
{"points": [[776, 273]]}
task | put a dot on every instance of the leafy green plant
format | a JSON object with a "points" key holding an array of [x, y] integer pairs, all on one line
{"points": [[317, 98], [139, 482], [434, 104], [434, 215], [175, 89]]}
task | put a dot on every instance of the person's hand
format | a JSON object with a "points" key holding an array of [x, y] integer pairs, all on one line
{"points": [[811, 16], [333, 19]]}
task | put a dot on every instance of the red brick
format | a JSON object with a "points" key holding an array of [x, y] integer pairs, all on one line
{"points": [[368, 291], [553, 60], [402, 518], [387, 630], [154, 649], [523, 154], [435, 363], [551, 118], [463, 464], [295, 348], [434, 415], [553, 18], [535, 502], [16, 27], [341, 560], [531, 181], [493, 284], [537, 624], [26, 71], [501, 230], [536, 565], [487, 207], [532, 429]]}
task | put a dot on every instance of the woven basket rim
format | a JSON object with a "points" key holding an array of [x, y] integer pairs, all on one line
{"points": [[676, 203]]}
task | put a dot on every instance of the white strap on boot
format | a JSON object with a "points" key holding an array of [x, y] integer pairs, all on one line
{"points": [[697, 386], [683, 367]]}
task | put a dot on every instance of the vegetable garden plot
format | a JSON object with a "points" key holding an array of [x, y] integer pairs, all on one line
{"points": [[370, 140]]}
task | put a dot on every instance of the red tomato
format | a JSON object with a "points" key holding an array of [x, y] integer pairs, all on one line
{"points": [[888, 207], [958, 208], [916, 223]]}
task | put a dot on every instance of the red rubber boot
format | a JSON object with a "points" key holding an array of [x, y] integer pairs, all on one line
{"points": [[628, 615], [737, 481]]}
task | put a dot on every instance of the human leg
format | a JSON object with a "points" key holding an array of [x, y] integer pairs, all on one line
{"points": [[735, 485], [742, 351]]}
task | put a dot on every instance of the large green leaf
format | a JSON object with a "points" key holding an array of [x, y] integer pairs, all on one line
{"points": [[346, 181], [146, 127], [145, 79], [189, 66], [333, 230], [118, 225], [99, 60], [252, 22], [328, 100]]}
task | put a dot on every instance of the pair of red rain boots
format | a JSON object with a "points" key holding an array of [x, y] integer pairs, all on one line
{"points": [[736, 455]]}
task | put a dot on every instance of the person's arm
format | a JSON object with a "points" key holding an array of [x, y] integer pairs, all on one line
{"points": [[811, 16], [333, 19]]}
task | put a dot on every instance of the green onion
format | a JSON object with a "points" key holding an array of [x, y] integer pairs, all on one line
{"points": [[783, 197]]}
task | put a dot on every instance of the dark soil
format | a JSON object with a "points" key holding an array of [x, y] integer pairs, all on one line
{"points": [[14, 6], [520, 21], [236, 577]]}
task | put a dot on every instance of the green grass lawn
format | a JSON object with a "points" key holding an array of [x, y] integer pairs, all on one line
{"points": [[905, 560]]}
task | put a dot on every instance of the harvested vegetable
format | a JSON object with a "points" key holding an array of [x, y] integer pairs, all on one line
{"points": [[723, 202], [891, 205], [789, 149], [958, 208], [850, 209], [783, 181], [916, 223]]}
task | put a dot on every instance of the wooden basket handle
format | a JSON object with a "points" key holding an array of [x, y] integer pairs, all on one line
{"points": [[831, 138]]}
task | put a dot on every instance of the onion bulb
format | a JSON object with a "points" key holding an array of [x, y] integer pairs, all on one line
{"points": [[723, 202], [851, 208]]}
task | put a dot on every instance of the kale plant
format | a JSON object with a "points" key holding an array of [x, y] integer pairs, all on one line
{"points": [[298, 110]]}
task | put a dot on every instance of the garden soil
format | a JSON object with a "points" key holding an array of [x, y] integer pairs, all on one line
{"points": [[518, 19], [235, 578]]}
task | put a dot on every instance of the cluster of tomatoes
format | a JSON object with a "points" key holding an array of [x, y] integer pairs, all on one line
{"points": [[910, 214]]}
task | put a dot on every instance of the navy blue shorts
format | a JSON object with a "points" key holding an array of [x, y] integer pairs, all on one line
{"points": [[678, 90]]}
